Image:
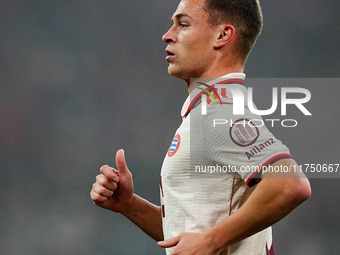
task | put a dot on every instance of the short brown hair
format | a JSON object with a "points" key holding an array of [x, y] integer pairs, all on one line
{"points": [[244, 15]]}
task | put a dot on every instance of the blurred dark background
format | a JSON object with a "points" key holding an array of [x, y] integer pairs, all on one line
{"points": [[81, 79]]}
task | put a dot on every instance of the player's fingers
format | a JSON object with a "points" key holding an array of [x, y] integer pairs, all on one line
{"points": [[115, 171], [170, 242], [105, 182], [121, 163], [97, 198], [101, 190], [109, 173]]}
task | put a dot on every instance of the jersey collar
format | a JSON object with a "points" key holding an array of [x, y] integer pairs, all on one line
{"points": [[195, 95]]}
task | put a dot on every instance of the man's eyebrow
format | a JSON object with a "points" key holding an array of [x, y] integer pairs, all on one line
{"points": [[180, 15]]}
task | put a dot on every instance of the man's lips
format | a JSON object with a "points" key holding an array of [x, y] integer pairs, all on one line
{"points": [[170, 55]]}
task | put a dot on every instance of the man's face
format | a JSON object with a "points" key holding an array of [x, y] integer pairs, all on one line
{"points": [[190, 41]]}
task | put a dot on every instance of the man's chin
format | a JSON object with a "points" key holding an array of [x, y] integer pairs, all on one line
{"points": [[176, 73]]}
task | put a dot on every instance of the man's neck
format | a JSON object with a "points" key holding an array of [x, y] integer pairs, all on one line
{"points": [[191, 84]]}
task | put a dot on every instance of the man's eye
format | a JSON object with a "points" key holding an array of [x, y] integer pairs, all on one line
{"points": [[182, 25]]}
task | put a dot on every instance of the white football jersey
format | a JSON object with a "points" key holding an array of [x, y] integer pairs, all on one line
{"points": [[214, 162]]}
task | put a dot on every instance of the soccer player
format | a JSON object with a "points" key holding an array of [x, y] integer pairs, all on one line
{"points": [[231, 212]]}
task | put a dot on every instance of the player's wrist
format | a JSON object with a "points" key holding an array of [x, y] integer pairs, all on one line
{"points": [[214, 239], [129, 206], [217, 238]]}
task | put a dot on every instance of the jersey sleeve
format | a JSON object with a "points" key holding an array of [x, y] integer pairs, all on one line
{"points": [[241, 143]]}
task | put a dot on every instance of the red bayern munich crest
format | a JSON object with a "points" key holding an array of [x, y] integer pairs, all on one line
{"points": [[174, 145]]}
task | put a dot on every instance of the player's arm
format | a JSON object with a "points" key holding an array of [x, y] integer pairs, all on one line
{"points": [[113, 190], [146, 216], [273, 198]]}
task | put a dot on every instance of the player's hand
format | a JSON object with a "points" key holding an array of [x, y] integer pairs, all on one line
{"points": [[113, 189], [190, 244]]}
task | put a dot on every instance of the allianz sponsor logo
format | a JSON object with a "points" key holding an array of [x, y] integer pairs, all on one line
{"points": [[258, 148]]}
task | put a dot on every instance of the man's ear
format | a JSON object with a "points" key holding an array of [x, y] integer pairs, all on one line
{"points": [[225, 35]]}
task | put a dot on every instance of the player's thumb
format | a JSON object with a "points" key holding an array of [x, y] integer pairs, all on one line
{"points": [[170, 242], [120, 162]]}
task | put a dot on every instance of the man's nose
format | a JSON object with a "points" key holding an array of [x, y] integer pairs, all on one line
{"points": [[169, 36]]}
